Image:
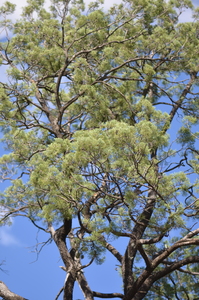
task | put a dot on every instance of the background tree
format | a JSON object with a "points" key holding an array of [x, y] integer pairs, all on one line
{"points": [[87, 106]]}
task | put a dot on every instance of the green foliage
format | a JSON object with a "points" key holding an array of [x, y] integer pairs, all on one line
{"points": [[7, 8]]}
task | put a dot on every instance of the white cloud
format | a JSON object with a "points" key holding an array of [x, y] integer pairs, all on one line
{"points": [[108, 3], [7, 238], [186, 16], [19, 5], [22, 3]]}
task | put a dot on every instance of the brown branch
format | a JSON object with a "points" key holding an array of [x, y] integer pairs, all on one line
{"points": [[105, 43], [59, 237], [145, 256], [114, 251], [132, 247], [6, 294], [151, 241], [16, 212], [69, 285], [59, 293], [58, 86], [183, 95], [108, 295], [175, 266], [88, 264], [148, 277], [190, 234], [143, 285], [39, 227], [71, 101], [88, 294], [188, 272], [109, 247], [180, 269]]}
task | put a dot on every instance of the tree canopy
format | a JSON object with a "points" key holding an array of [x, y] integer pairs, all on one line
{"points": [[99, 112]]}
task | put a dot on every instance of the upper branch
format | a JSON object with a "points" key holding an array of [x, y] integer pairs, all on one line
{"points": [[178, 103]]}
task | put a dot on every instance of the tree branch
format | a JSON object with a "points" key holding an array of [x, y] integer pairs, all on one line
{"points": [[183, 95], [108, 295], [7, 294]]}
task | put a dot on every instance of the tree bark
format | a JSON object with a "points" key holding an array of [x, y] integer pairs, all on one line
{"points": [[59, 237], [88, 294], [132, 248]]}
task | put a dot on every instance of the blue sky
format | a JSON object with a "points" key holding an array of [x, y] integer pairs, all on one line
{"points": [[40, 277]]}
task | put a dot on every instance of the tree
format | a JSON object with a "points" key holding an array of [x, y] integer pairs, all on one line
{"points": [[87, 105]]}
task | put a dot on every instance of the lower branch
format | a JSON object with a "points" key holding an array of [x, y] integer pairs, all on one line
{"points": [[109, 295], [175, 266], [139, 291], [6, 294]]}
